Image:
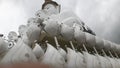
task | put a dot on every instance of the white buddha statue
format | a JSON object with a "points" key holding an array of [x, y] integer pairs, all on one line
{"points": [[12, 39]]}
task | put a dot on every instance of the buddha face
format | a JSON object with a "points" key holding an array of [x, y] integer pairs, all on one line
{"points": [[51, 9], [30, 21], [12, 35], [41, 15], [22, 29]]}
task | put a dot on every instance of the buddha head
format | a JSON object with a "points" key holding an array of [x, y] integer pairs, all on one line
{"points": [[12, 35], [22, 29], [50, 7]]}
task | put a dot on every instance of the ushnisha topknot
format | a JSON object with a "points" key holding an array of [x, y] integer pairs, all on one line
{"points": [[47, 0]]}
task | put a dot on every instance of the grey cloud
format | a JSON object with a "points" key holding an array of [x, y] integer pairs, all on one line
{"points": [[102, 16]]}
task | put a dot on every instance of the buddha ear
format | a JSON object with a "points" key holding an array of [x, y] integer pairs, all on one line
{"points": [[59, 8]]}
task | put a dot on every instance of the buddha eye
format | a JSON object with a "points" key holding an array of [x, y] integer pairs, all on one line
{"points": [[37, 14], [48, 8]]}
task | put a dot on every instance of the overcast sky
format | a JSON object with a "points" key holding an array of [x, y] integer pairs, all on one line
{"points": [[103, 16]]}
